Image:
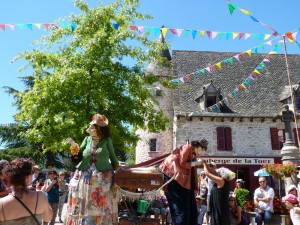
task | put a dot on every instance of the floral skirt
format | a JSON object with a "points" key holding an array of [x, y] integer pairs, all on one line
{"points": [[91, 199]]}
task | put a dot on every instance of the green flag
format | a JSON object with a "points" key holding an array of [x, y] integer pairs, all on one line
{"points": [[231, 7]]}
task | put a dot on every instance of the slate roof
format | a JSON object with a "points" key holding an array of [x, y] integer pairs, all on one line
{"points": [[260, 100]]}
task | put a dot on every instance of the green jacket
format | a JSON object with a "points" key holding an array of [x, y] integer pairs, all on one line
{"points": [[105, 155]]}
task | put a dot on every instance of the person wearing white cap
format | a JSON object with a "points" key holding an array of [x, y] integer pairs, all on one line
{"points": [[238, 184]]}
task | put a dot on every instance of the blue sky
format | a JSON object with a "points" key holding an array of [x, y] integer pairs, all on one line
{"points": [[210, 15]]}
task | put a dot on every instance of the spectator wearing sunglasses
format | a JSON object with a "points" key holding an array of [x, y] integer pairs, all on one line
{"points": [[263, 201], [51, 188]]}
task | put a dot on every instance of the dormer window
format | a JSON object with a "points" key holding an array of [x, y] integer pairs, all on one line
{"points": [[208, 96], [211, 100]]}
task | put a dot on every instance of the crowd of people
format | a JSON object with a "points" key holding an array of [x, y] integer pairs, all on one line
{"points": [[38, 195]]}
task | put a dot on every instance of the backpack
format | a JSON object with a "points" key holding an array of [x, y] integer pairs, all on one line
{"points": [[245, 218]]}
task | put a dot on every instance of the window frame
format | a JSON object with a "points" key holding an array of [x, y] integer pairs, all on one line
{"points": [[275, 143], [151, 143], [224, 139]]}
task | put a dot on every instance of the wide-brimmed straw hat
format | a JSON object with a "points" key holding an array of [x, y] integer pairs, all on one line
{"points": [[99, 120]]}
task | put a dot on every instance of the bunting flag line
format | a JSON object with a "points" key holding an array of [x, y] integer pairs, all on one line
{"points": [[203, 33], [145, 30], [218, 65], [243, 86], [232, 8], [291, 35], [15, 124], [156, 31], [30, 26]]}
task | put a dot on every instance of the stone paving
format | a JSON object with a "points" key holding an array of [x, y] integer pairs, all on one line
{"points": [[63, 215]]}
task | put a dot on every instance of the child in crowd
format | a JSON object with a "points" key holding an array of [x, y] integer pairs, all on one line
{"points": [[201, 209], [291, 202]]}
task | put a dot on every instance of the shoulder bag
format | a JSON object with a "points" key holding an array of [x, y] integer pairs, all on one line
{"points": [[33, 216]]}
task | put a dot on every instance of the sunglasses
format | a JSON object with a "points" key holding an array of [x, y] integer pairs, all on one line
{"points": [[51, 173], [262, 181], [231, 200]]}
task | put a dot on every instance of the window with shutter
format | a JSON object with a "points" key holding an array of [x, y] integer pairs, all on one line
{"points": [[228, 138], [274, 138], [224, 138], [281, 137], [221, 138]]}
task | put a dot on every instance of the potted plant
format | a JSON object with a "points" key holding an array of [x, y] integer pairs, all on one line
{"points": [[278, 170], [279, 207], [242, 196], [281, 213]]}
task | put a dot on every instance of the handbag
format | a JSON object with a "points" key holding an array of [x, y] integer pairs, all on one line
{"points": [[33, 216]]}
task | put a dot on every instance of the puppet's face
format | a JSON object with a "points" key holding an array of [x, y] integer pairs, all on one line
{"points": [[91, 130], [200, 151]]}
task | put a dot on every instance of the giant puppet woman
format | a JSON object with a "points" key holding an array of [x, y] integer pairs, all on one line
{"points": [[92, 199]]}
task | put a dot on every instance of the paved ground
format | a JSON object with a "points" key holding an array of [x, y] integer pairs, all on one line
{"points": [[63, 215]]}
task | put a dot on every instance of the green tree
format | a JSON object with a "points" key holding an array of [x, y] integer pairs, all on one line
{"points": [[80, 70], [17, 146]]}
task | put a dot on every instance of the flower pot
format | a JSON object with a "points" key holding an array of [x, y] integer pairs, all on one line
{"points": [[275, 176], [281, 220]]}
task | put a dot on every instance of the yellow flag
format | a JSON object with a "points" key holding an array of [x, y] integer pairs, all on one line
{"points": [[164, 31], [201, 32], [219, 65], [245, 11], [256, 71], [291, 41], [249, 52], [234, 34], [267, 36], [38, 25]]}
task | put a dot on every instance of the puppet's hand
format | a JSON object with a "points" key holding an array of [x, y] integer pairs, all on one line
{"points": [[196, 163], [71, 142]]}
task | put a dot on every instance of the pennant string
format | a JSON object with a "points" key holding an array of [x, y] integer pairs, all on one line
{"points": [[213, 67], [243, 86]]}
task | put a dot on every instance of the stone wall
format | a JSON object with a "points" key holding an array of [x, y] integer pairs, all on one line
{"points": [[248, 137], [164, 139]]}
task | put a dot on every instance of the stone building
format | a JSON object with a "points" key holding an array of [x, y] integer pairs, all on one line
{"points": [[246, 130]]}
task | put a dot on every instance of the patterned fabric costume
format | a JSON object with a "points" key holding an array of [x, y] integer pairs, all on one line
{"points": [[91, 198]]}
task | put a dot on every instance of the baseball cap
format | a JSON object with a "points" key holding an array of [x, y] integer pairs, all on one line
{"points": [[290, 198], [239, 181]]}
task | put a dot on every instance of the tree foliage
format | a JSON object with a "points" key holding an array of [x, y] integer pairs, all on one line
{"points": [[24, 152], [79, 72]]}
